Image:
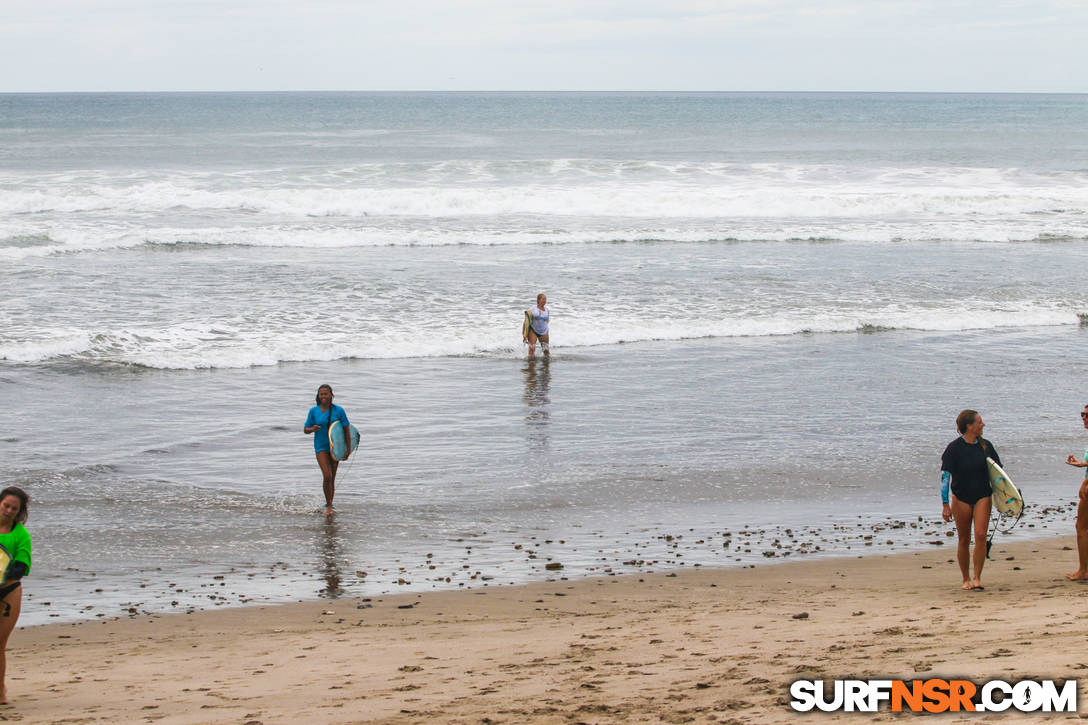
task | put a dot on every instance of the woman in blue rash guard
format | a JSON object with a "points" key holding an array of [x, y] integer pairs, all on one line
{"points": [[318, 422], [963, 469]]}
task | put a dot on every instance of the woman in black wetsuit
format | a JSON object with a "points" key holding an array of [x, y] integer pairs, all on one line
{"points": [[963, 467]]}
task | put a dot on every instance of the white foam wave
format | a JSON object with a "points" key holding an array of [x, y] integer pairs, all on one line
{"points": [[14, 244], [532, 202], [40, 345], [639, 200], [206, 346], [554, 187]]}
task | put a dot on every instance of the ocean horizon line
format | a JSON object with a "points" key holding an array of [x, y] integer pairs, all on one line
{"points": [[557, 92]]}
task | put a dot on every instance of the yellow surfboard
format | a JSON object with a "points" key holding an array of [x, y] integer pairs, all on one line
{"points": [[5, 562], [525, 326]]}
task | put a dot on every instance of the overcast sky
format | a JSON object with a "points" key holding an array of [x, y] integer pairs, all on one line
{"points": [[727, 45]]}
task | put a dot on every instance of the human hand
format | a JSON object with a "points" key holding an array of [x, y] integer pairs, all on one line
{"points": [[946, 512]]}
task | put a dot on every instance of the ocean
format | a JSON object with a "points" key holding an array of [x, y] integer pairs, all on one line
{"points": [[767, 310]]}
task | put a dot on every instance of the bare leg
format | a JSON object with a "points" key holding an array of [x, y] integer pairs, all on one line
{"points": [[545, 345], [1081, 573], [982, 522], [532, 343], [7, 623], [962, 513], [328, 478]]}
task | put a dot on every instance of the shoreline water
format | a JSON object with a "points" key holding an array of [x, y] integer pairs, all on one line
{"points": [[549, 463], [489, 562], [710, 645]]}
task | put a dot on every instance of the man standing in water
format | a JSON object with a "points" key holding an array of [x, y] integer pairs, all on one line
{"points": [[1081, 574], [538, 326]]}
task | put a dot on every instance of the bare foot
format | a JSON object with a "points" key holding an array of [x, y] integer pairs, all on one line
{"points": [[1077, 576], [968, 586], [328, 510]]}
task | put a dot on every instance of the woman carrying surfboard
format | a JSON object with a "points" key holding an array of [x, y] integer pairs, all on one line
{"points": [[321, 419], [15, 550], [535, 326], [964, 469], [1081, 574]]}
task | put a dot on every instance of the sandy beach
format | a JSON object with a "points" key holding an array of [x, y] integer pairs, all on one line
{"points": [[703, 645]]}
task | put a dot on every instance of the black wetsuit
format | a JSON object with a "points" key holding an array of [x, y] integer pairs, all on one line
{"points": [[967, 464]]}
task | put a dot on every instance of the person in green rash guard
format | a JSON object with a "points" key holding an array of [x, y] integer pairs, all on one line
{"points": [[16, 541]]}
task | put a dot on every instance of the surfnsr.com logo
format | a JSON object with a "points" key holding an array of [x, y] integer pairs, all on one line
{"points": [[933, 695]]}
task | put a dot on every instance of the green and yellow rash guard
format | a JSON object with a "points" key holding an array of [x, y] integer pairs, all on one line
{"points": [[17, 542]]}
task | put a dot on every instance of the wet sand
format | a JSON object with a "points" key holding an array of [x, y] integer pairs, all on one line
{"points": [[704, 645]]}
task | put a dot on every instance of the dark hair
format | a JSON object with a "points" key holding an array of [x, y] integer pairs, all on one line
{"points": [[24, 501], [964, 419], [317, 396]]}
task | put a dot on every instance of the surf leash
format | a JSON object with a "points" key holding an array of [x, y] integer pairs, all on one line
{"points": [[995, 524]]}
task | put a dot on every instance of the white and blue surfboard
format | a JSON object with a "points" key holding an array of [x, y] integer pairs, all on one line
{"points": [[337, 443]]}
